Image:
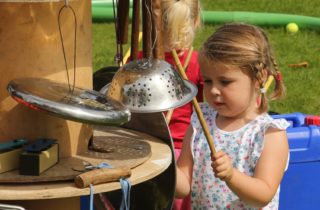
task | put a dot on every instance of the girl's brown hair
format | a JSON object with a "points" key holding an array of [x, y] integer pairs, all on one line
{"points": [[246, 46]]}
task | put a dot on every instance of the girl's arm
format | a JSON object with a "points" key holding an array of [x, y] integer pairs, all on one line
{"points": [[261, 188], [184, 167]]}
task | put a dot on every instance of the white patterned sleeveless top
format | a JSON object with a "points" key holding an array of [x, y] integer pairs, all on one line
{"points": [[243, 146]]}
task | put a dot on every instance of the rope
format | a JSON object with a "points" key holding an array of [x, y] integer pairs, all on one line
{"points": [[125, 187]]}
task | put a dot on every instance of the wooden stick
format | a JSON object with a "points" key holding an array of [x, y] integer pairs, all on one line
{"points": [[158, 51], [101, 175], [127, 55], [196, 106], [123, 21], [135, 35], [169, 116], [186, 63], [146, 28], [302, 64]]}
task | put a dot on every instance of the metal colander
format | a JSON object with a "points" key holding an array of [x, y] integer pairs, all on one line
{"points": [[149, 85]]}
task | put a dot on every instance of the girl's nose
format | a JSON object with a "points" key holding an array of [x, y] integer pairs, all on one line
{"points": [[215, 91]]}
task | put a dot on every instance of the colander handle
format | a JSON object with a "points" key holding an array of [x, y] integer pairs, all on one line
{"points": [[196, 105]]}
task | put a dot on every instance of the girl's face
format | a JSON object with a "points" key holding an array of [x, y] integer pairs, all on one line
{"points": [[228, 89]]}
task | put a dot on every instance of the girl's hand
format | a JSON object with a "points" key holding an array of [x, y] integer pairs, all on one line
{"points": [[222, 166]]}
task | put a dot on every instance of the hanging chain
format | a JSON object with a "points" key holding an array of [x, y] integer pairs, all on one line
{"points": [[67, 6]]}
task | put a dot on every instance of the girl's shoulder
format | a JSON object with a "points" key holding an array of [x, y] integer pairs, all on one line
{"points": [[266, 122]]}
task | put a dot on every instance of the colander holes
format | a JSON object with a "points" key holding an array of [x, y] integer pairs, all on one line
{"points": [[150, 94], [139, 84], [150, 79], [144, 85]]}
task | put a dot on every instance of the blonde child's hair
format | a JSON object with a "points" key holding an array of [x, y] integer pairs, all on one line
{"points": [[180, 19], [246, 46]]}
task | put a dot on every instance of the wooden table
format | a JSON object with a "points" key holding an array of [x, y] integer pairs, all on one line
{"points": [[53, 194]]}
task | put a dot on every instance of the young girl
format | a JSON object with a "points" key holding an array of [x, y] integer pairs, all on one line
{"points": [[252, 148]]}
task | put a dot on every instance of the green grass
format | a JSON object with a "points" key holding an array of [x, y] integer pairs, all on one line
{"points": [[303, 86]]}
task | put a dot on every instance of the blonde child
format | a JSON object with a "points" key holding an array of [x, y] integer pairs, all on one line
{"points": [[252, 148], [180, 20]]}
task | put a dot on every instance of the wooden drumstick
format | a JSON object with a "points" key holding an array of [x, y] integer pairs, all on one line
{"points": [[196, 105], [101, 175]]}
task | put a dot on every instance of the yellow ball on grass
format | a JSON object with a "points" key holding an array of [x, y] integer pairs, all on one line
{"points": [[292, 28]]}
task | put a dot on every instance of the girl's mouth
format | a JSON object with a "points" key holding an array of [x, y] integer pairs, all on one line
{"points": [[217, 104]]}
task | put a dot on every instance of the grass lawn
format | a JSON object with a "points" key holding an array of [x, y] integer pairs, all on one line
{"points": [[302, 83]]}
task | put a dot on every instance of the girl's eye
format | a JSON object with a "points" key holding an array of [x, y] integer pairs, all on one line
{"points": [[225, 82], [207, 81]]}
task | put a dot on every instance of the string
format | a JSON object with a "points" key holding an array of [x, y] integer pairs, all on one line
{"points": [[125, 187], [151, 26], [67, 6]]}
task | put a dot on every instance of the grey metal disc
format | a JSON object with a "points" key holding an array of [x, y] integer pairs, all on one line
{"points": [[80, 105]]}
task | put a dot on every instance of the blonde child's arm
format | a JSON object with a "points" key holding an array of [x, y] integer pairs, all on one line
{"points": [[184, 167], [261, 188]]}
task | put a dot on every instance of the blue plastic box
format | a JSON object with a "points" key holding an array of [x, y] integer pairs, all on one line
{"points": [[300, 187]]}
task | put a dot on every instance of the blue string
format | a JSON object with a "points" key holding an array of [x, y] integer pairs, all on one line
{"points": [[125, 187], [91, 197]]}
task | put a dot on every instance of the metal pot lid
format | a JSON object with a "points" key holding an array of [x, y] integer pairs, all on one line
{"points": [[149, 85], [87, 106]]}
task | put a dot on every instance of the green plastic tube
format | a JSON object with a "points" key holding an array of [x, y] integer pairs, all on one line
{"points": [[265, 19], [105, 14], [105, 3]]}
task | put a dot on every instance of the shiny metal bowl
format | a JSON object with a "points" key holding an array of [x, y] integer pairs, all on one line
{"points": [[149, 85]]}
